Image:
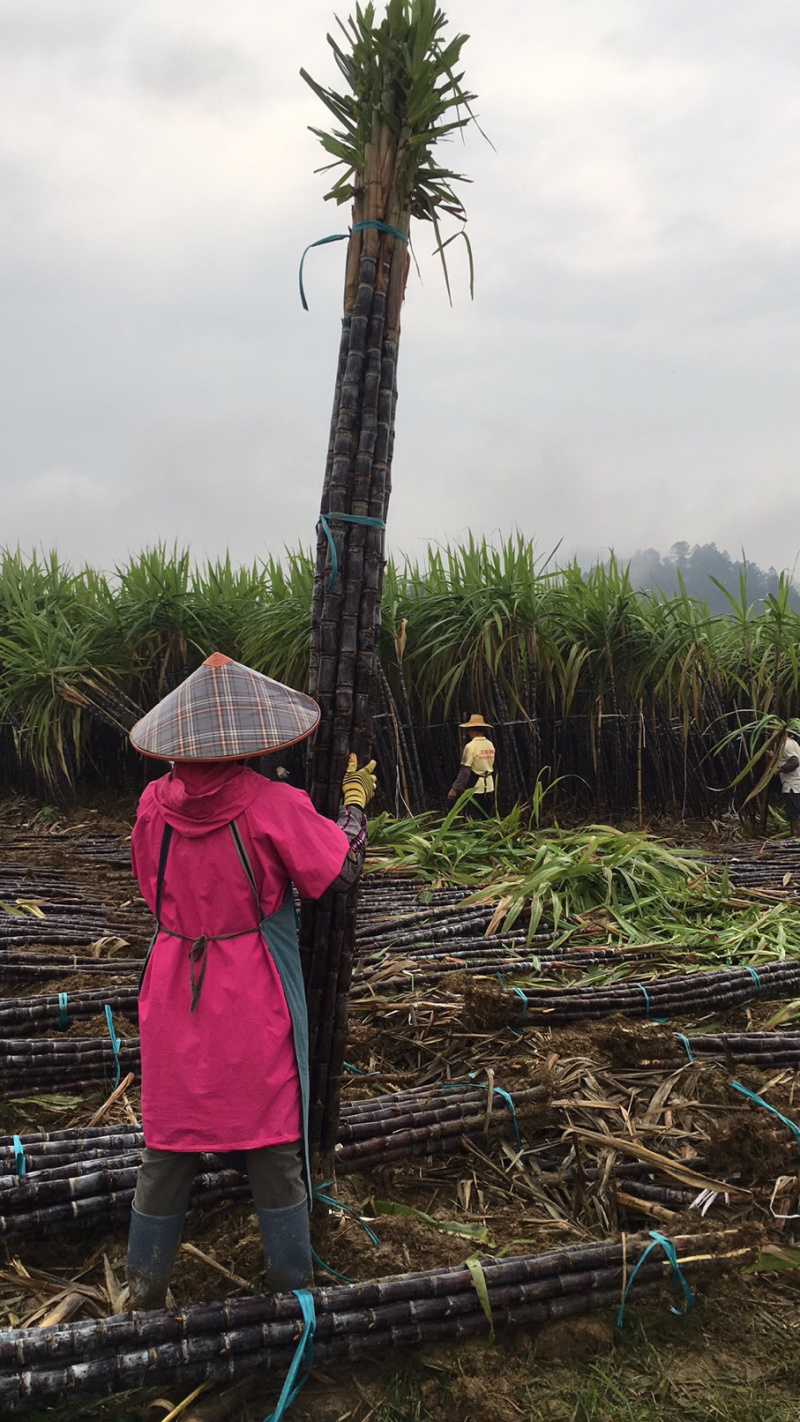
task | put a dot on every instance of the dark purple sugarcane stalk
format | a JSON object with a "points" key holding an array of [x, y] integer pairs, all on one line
{"points": [[197, 1343]]}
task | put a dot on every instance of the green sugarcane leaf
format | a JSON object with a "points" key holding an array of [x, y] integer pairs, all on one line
{"points": [[479, 1280], [477, 1233], [774, 1256]]}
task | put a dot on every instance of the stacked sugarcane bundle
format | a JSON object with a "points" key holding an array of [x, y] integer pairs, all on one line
{"points": [[222, 1341], [759, 1049], [674, 996], [20, 966], [22, 1015], [487, 957], [93, 1193], [111, 850], [403, 94], [37, 1065], [52, 923], [77, 1178]]}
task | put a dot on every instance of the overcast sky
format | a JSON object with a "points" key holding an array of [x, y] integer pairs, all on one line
{"points": [[627, 374]]}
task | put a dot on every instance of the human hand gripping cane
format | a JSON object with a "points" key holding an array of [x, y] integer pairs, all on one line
{"points": [[358, 786]]}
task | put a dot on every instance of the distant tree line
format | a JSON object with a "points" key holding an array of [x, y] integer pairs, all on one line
{"points": [[705, 571]]}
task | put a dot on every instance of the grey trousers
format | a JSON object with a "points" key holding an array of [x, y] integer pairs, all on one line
{"points": [[165, 1179]]}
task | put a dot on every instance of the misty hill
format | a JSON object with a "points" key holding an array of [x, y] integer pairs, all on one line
{"points": [[697, 565]]}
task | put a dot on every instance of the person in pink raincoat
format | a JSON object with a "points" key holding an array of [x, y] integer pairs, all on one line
{"points": [[224, 1040]]}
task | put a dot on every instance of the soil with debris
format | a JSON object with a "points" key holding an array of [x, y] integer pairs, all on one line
{"points": [[617, 1080]]}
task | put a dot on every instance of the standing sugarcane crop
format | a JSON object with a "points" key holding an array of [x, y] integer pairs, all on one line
{"points": [[402, 96]]}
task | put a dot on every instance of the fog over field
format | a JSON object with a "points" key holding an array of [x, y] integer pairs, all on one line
{"points": [[626, 375]]}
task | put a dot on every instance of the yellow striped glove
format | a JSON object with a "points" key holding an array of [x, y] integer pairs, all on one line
{"points": [[358, 786]]}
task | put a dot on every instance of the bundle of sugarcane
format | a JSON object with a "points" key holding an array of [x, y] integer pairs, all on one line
{"points": [[46, 1010], [97, 1193], [111, 850], [70, 1178], [761, 1049], [222, 1341], [33, 967], [41, 882], [403, 90], [46, 1150], [481, 959], [44, 1064], [57, 924], [674, 996]]}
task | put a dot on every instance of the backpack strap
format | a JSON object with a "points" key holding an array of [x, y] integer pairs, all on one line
{"points": [[162, 864], [246, 865]]}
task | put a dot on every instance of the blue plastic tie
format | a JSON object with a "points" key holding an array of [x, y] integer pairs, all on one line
{"points": [[645, 994], [759, 1100], [333, 1204], [366, 519], [498, 1091], [20, 1164], [356, 1071], [681, 1037], [334, 1273], [672, 1258], [525, 1003], [755, 977], [63, 1020], [115, 1044], [344, 237], [304, 1356]]}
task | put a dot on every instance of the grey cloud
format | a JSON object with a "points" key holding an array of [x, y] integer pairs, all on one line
{"points": [[626, 374], [191, 67]]}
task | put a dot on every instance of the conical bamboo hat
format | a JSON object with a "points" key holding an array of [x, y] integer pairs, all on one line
{"points": [[223, 711], [475, 723]]}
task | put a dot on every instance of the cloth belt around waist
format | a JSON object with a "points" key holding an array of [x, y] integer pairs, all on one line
{"points": [[198, 951]]}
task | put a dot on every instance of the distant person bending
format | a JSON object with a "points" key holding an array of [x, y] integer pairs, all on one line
{"points": [[787, 766], [477, 767]]}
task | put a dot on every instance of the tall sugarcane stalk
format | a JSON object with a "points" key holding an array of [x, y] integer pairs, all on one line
{"points": [[401, 92]]}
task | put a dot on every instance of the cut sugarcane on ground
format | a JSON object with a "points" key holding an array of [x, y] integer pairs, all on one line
{"points": [[618, 1130]]}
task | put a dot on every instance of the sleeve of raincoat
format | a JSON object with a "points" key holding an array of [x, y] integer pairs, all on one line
{"points": [[141, 858], [311, 847]]}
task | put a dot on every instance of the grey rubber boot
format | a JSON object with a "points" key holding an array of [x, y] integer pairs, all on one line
{"points": [[152, 1244], [287, 1247]]}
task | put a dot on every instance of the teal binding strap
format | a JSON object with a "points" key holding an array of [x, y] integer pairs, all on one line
{"points": [[326, 1268], [63, 1020], [755, 977], [759, 1100], [115, 1044], [304, 1357], [681, 1037], [333, 1204], [356, 1071], [365, 519], [672, 1258], [344, 237], [646, 995], [498, 1091], [525, 1003], [20, 1163]]}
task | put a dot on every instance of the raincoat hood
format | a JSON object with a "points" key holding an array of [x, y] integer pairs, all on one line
{"points": [[199, 796]]}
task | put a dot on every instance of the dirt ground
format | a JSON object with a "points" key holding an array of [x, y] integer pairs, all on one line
{"points": [[735, 1355]]}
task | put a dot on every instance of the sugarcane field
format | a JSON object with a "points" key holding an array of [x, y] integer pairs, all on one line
{"points": [[399, 950]]}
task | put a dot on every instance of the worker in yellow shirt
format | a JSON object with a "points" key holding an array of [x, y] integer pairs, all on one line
{"points": [[477, 769]]}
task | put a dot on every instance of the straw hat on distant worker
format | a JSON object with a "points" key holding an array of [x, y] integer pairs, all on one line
{"points": [[477, 769]]}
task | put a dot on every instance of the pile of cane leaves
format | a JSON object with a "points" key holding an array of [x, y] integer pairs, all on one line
{"points": [[592, 885]]}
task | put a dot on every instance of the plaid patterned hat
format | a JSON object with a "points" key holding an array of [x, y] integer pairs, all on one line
{"points": [[222, 711]]}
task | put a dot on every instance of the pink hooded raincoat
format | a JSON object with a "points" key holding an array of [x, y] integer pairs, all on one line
{"points": [[224, 1077]]}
